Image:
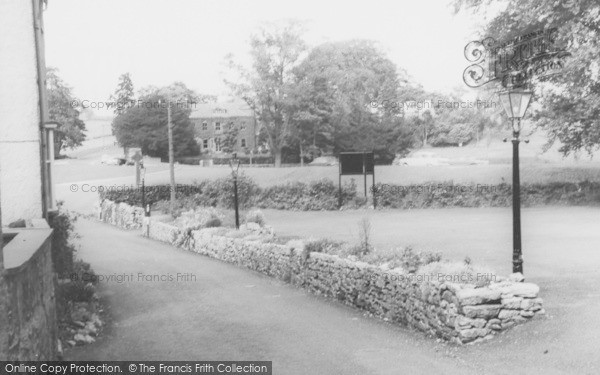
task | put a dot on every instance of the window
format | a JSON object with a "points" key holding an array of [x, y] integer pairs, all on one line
{"points": [[204, 144], [204, 125], [230, 125], [243, 125], [243, 142], [217, 144], [217, 126]]}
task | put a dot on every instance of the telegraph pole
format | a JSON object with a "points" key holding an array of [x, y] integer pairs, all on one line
{"points": [[171, 156]]}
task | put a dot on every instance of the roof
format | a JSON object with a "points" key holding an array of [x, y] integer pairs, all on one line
{"points": [[221, 110]]}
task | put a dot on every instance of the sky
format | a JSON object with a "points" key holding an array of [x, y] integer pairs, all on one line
{"points": [[93, 42]]}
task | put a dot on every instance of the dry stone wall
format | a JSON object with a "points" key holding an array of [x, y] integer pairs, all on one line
{"points": [[31, 310], [457, 312], [120, 214]]}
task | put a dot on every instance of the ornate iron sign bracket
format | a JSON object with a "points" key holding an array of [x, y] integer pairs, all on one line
{"points": [[516, 62]]}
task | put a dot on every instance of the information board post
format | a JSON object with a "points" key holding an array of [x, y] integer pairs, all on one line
{"points": [[340, 187], [357, 163], [364, 160], [373, 190]]}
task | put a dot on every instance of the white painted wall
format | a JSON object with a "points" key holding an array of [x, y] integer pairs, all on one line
{"points": [[20, 175]]}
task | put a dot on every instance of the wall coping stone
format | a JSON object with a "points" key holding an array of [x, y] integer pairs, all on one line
{"points": [[24, 246]]}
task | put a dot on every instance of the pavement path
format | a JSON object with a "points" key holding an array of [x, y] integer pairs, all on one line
{"points": [[229, 313]]}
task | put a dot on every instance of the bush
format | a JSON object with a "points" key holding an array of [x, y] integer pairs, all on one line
{"points": [[261, 159], [439, 195], [80, 287], [324, 195], [299, 196], [153, 193], [256, 216], [322, 245], [63, 251], [199, 218], [221, 191]]}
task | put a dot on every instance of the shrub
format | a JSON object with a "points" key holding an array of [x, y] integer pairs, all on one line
{"points": [[322, 245], [256, 216], [299, 196], [63, 251], [446, 194], [199, 218], [153, 193], [410, 260], [220, 192], [79, 287], [258, 159]]}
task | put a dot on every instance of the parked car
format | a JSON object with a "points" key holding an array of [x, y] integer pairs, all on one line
{"points": [[324, 161], [112, 160], [468, 161], [422, 159]]}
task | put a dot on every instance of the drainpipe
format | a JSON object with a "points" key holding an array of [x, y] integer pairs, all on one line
{"points": [[38, 29]]}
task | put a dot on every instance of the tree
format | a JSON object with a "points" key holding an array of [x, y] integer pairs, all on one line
{"points": [[124, 96], [569, 103], [266, 87], [335, 86], [230, 138], [71, 130], [145, 124]]}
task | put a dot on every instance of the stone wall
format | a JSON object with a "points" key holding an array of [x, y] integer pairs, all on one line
{"points": [[457, 312], [120, 214], [31, 332]]}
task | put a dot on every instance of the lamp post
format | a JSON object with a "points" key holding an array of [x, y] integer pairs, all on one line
{"points": [[234, 163], [515, 103]]}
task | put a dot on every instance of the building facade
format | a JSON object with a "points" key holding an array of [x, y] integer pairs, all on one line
{"points": [[214, 121], [22, 73], [28, 328]]}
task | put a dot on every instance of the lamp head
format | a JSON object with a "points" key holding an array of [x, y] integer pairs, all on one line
{"points": [[234, 163], [515, 102]]}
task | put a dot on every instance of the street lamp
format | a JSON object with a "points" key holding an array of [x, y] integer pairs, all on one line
{"points": [[234, 163], [515, 103]]}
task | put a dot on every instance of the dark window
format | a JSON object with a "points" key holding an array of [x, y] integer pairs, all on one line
{"points": [[217, 126], [205, 143], [204, 125], [243, 142]]}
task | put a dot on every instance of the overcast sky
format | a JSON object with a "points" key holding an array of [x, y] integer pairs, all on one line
{"points": [[92, 42]]}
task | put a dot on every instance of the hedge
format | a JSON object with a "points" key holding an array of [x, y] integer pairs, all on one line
{"points": [[245, 160], [439, 195], [316, 195], [259, 159], [324, 195]]}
